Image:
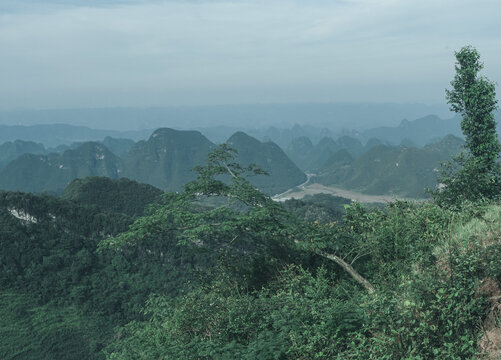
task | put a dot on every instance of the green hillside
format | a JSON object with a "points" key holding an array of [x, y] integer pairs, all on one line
{"points": [[166, 160], [299, 150], [400, 171], [53, 172], [112, 195], [61, 297], [11, 150], [283, 174]]}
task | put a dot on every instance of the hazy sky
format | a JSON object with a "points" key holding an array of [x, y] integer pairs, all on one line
{"points": [[95, 53]]}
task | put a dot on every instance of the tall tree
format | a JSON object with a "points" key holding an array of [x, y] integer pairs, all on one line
{"points": [[475, 174], [245, 217]]}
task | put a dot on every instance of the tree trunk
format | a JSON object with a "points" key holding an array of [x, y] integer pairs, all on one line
{"points": [[353, 273]]}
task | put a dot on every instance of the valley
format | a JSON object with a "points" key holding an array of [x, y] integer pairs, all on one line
{"points": [[250, 180], [299, 192], [108, 244]]}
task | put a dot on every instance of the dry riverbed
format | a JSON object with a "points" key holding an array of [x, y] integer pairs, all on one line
{"points": [[310, 189]]}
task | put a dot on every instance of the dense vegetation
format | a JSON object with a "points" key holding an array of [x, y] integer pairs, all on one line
{"points": [[112, 195], [68, 296], [245, 280], [220, 271], [426, 266]]}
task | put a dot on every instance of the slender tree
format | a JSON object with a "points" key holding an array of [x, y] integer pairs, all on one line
{"points": [[475, 174]]}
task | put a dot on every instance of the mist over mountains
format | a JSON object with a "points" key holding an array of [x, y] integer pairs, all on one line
{"points": [[48, 157], [335, 116]]}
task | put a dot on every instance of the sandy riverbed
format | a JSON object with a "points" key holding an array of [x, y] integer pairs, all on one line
{"points": [[311, 189]]}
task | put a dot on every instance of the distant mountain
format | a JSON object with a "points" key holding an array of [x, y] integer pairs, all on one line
{"points": [[398, 170], [11, 150], [372, 142], [283, 173], [335, 116], [166, 160], [419, 131], [312, 158], [112, 195], [299, 150], [56, 134], [352, 145], [339, 159], [283, 136], [53, 172], [119, 147]]}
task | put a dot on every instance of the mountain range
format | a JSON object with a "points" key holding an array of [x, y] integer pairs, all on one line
{"points": [[166, 160], [52, 135], [53, 172], [11, 150], [398, 170], [420, 131]]}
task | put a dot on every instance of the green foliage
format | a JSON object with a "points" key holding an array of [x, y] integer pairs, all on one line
{"points": [[221, 271], [323, 208], [299, 316], [474, 175], [51, 256], [432, 315], [243, 222], [119, 196], [31, 331]]}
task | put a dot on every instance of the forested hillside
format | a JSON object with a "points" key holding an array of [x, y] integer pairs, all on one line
{"points": [[248, 280], [11, 150], [53, 172], [121, 196], [403, 171]]}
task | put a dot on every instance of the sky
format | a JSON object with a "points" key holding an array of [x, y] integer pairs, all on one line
{"points": [[140, 53]]}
